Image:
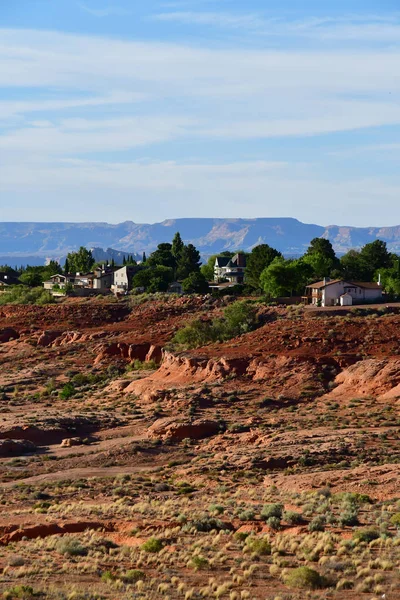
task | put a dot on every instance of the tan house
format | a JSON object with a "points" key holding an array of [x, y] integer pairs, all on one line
{"points": [[337, 292]]}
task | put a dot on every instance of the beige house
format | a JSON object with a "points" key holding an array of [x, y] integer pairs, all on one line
{"points": [[338, 292]]}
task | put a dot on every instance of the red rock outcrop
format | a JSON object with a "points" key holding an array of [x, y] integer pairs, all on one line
{"points": [[175, 429]]}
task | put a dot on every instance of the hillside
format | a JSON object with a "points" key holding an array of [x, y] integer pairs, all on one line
{"points": [[264, 467], [34, 242]]}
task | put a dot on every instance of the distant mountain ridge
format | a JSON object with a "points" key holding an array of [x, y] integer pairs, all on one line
{"points": [[33, 243]]}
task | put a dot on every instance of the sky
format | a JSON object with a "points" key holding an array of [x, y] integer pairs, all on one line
{"points": [[159, 109]]}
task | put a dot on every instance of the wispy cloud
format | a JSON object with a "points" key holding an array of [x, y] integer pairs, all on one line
{"points": [[107, 11], [350, 28]]}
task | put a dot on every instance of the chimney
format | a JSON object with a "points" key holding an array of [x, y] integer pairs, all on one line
{"points": [[379, 280], [326, 280]]}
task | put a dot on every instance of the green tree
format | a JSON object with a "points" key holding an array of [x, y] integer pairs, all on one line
{"points": [[31, 278], [144, 258], [154, 279], [375, 256], [195, 283], [285, 277], [189, 262], [321, 257], [81, 261], [162, 256], [67, 268], [177, 246], [352, 267], [260, 257]]}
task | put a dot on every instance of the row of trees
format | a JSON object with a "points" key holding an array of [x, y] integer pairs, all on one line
{"points": [[267, 270], [270, 272]]}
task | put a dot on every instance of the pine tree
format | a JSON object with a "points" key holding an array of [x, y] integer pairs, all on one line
{"points": [[124, 260], [144, 257], [66, 266]]}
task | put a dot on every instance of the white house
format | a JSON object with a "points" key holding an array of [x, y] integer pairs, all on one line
{"points": [[231, 269], [338, 292]]}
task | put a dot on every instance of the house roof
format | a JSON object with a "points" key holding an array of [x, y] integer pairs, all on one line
{"points": [[222, 261], [362, 284], [323, 284]]}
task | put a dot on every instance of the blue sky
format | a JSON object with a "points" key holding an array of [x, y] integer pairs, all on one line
{"points": [[128, 110]]}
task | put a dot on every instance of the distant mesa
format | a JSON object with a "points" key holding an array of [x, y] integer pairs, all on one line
{"points": [[34, 243]]}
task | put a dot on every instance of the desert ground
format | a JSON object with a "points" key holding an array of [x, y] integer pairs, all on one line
{"points": [[265, 467]]}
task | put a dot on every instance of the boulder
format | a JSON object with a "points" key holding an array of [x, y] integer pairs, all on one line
{"points": [[69, 442], [8, 334], [154, 354], [174, 429], [16, 447], [48, 337]]}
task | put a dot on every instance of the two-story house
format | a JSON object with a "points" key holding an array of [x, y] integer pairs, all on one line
{"points": [[337, 292], [230, 269]]}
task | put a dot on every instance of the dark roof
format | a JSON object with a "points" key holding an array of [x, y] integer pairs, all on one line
{"points": [[222, 261]]}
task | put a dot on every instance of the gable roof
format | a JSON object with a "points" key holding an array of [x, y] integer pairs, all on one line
{"points": [[222, 261], [362, 284]]}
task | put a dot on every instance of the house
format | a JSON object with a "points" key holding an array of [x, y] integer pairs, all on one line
{"points": [[59, 281], [337, 292], [175, 288], [122, 278], [230, 269], [103, 278]]}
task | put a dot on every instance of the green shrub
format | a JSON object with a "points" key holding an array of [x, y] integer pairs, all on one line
{"points": [[349, 518], [71, 547], [132, 576], [272, 510], [199, 562], [239, 318], [293, 518], [274, 523], [395, 520], [22, 592], [207, 524], [317, 524], [24, 295], [258, 545], [305, 578], [67, 391], [366, 535], [152, 545]]}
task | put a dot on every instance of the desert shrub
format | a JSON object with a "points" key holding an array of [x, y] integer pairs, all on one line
{"points": [[274, 523], [317, 524], [259, 545], [132, 576], [22, 592], [239, 318], [395, 520], [71, 547], [199, 562], [247, 515], [293, 518], [207, 524], [366, 535], [152, 545], [348, 517], [305, 578], [67, 391], [272, 510]]}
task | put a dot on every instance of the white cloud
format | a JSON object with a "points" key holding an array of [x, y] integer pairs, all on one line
{"points": [[107, 11], [372, 28], [11, 108], [240, 189]]}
